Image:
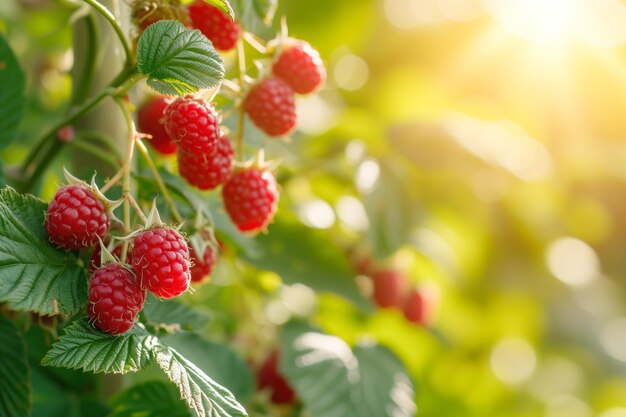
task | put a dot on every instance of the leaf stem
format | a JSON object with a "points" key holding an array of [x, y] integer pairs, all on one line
{"points": [[116, 27], [157, 177], [81, 144], [126, 191]]}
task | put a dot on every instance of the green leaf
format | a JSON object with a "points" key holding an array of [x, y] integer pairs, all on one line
{"points": [[174, 312], [219, 361], [301, 254], [150, 399], [12, 85], [254, 14], [223, 5], [335, 381], [84, 347], [178, 60], [34, 275], [15, 388], [203, 395]]}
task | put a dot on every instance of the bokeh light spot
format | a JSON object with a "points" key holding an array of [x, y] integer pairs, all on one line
{"points": [[572, 261], [513, 361]]}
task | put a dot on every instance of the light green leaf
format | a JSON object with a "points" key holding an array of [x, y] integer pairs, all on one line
{"points": [[84, 347], [150, 399], [217, 360], [254, 14], [15, 388], [34, 275], [177, 60], [335, 381], [203, 395], [223, 5], [174, 312], [300, 254], [12, 84]]}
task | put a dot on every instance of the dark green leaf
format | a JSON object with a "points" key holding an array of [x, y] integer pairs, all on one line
{"points": [[203, 395], [84, 347], [12, 84], [217, 360], [334, 381], [178, 60], [34, 275], [174, 312], [15, 388], [150, 399], [223, 5], [300, 254]]}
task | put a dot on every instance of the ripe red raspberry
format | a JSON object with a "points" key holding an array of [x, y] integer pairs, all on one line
{"points": [[193, 123], [160, 258], [270, 378], [150, 121], [301, 67], [215, 25], [251, 198], [415, 307], [76, 218], [207, 171], [389, 288], [94, 260], [201, 268], [271, 106], [115, 298]]}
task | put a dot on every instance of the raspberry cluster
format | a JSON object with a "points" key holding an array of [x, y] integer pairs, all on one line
{"points": [[391, 289]]}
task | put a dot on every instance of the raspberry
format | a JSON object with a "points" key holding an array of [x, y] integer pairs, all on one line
{"points": [[271, 106], [415, 307], [270, 378], [215, 25], [147, 12], [115, 298], [301, 67], [193, 123], [94, 260], [207, 171], [251, 199], [201, 268], [76, 218], [149, 120], [389, 288], [160, 258]]}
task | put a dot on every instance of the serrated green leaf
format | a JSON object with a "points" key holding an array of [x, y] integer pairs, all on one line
{"points": [[300, 254], [335, 381], [203, 395], [15, 387], [223, 5], [150, 399], [84, 347], [12, 84], [34, 275], [217, 360], [177, 60], [174, 312]]}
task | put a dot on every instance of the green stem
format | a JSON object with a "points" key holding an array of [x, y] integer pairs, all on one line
{"points": [[81, 144], [116, 27], [157, 177], [126, 191], [81, 89], [48, 146]]}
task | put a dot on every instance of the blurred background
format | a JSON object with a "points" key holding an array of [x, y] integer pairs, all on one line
{"points": [[477, 147]]}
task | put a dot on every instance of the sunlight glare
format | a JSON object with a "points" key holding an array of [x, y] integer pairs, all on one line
{"points": [[543, 21]]}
